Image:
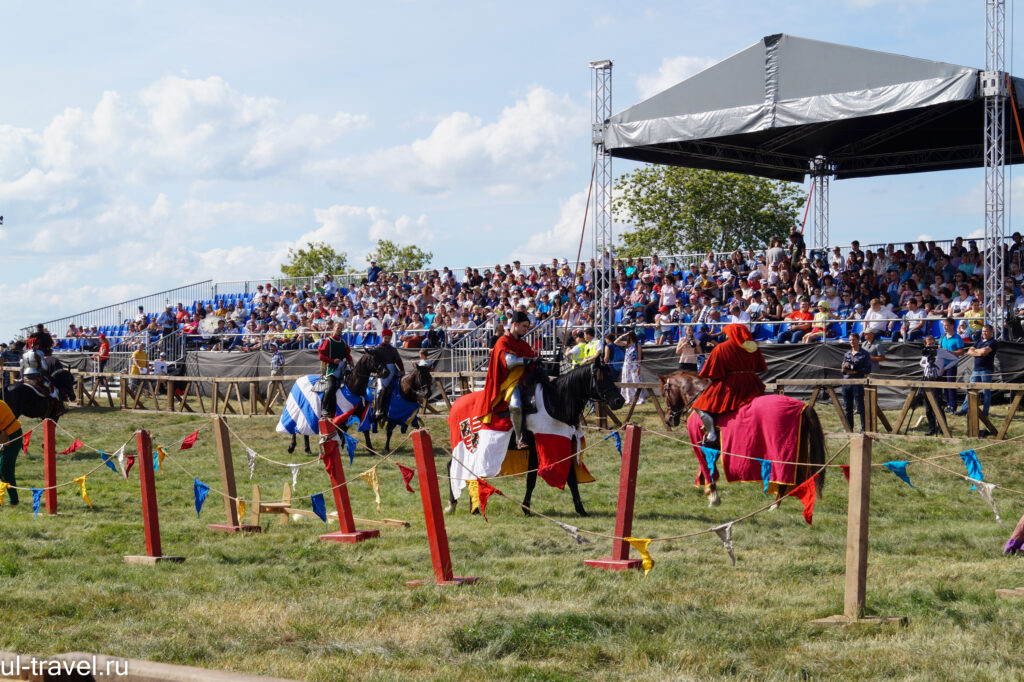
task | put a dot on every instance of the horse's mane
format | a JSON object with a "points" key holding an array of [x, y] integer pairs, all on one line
{"points": [[567, 395]]}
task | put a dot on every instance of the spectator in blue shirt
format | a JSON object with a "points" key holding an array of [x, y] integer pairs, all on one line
{"points": [[951, 342], [373, 273]]}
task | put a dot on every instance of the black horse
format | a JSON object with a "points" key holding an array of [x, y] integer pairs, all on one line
{"points": [[413, 388], [27, 401], [565, 398], [368, 364]]}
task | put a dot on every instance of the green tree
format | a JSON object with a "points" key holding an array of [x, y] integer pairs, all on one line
{"points": [[685, 210], [317, 258], [393, 257]]}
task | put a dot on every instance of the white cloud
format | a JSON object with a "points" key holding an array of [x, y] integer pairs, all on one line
{"points": [[525, 146], [671, 71], [563, 239]]}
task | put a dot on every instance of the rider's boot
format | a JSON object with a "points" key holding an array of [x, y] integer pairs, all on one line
{"points": [[710, 434], [515, 413]]}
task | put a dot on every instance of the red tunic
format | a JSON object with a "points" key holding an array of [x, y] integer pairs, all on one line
{"points": [[491, 399], [734, 371]]}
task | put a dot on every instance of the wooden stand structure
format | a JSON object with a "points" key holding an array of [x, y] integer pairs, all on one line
{"points": [[437, 534], [619, 560], [150, 520], [332, 462], [227, 482]]}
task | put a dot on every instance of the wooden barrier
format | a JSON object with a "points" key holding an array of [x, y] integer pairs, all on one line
{"points": [[50, 464], [227, 482], [150, 515], [285, 510], [332, 462], [619, 560], [437, 534]]}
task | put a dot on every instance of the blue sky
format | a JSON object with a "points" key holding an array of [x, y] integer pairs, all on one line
{"points": [[145, 145]]}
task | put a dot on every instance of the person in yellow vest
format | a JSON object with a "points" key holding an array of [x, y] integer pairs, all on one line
{"points": [[10, 446], [575, 354], [138, 364]]}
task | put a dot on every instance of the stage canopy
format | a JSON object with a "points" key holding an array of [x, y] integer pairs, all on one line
{"points": [[773, 107]]}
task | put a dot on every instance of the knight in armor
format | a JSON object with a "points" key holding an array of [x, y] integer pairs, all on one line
{"points": [[512, 360], [337, 358], [390, 358], [733, 367]]}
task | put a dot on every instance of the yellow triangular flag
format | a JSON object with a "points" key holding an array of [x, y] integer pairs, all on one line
{"points": [[640, 545], [474, 495], [371, 480], [81, 484], [3, 491], [240, 506]]}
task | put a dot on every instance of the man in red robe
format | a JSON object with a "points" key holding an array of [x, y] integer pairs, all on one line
{"points": [[733, 367], [505, 373]]}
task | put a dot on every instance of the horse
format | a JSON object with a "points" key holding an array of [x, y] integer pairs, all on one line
{"points": [[806, 457], [412, 392], [564, 399], [28, 401], [301, 414]]}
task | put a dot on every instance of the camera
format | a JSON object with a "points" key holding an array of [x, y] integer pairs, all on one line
{"points": [[929, 352]]}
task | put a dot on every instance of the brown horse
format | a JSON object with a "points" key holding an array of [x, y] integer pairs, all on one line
{"points": [[681, 388]]}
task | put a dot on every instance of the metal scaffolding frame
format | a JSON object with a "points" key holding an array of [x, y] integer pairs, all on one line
{"points": [[821, 172], [994, 89], [602, 197]]}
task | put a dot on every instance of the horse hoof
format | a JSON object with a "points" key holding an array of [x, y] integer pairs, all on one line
{"points": [[714, 501], [582, 512], [291, 448], [774, 506], [308, 451], [450, 509], [526, 511]]}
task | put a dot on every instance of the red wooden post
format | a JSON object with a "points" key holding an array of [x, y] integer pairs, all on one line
{"points": [[150, 516], [332, 462], [437, 535], [50, 464], [619, 560]]}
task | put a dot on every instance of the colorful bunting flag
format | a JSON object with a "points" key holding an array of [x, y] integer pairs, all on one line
{"points": [[766, 473], [370, 477], [806, 493], [710, 455], [200, 490], [900, 469], [109, 462], [350, 446], [24, 442], [319, 508], [970, 458], [295, 474], [3, 491], [250, 456], [618, 440], [724, 533], [158, 461], [640, 545], [190, 440], [479, 491], [985, 489], [240, 508], [81, 484], [37, 496], [73, 447], [121, 463], [131, 463], [846, 471], [573, 532], [407, 475]]}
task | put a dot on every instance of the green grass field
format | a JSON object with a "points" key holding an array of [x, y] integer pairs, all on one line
{"points": [[282, 603]]}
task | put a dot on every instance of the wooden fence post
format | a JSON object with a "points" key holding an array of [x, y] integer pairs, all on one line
{"points": [[50, 464], [227, 482], [332, 462], [150, 514], [619, 560]]}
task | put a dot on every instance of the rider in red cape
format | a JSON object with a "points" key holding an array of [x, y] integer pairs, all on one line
{"points": [[733, 366], [504, 374]]}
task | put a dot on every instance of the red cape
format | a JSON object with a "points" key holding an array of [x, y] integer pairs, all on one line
{"points": [[734, 370], [490, 399]]}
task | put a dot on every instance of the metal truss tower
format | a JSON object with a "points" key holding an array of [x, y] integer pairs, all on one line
{"points": [[821, 171], [994, 89], [602, 197]]}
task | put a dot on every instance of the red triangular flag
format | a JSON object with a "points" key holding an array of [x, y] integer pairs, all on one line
{"points": [[71, 448], [129, 465], [485, 490], [24, 442], [329, 461], [846, 471], [805, 492], [407, 475], [189, 441]]}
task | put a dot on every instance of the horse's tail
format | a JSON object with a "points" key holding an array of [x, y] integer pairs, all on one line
{"points": [[815, 447]]}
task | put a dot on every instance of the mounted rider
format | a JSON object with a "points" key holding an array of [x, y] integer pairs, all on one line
{"points": [[336, 356], [35, 361], [512, 361], [388, 356], [733, 367]]}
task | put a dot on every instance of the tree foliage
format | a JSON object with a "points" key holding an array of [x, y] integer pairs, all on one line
{"points": [[317, 258], [393, 257], [685, 210]]}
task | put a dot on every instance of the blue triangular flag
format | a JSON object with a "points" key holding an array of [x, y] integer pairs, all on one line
{"points": [[900, 469], [37, 494], [618, 441], [710, 455], [319, 508], [766, 473], [970, 458], [201, 490], [109, 462], [350, 446], [352, 421]]}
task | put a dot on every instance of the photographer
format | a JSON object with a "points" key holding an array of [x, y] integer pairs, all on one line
{"points": [[934, 361], [688, 350], [856, 365]]}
